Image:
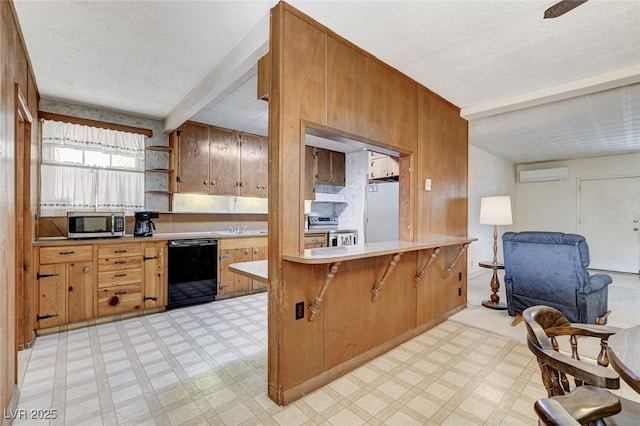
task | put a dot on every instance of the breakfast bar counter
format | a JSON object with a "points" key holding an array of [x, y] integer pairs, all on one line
{"points": [[325, 255], [258, 269]]}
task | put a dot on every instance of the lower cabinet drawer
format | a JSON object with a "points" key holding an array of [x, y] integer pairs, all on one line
{"points": [[118, 263], [123, 277], [65, 254], [116, 300]]}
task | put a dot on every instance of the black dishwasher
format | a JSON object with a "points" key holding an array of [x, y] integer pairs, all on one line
{"points": [[193, 272]]}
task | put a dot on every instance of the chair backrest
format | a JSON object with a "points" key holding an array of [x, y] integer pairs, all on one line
{"points": [[544, 324], [554, 263]]}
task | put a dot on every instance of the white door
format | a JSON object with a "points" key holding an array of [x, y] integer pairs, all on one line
{"points": [[609, 218]]}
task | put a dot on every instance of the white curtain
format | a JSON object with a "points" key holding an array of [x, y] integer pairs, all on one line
{"points": [[89, 168]]}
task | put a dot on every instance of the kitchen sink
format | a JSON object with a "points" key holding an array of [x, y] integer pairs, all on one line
{"points": [[248, 232]]}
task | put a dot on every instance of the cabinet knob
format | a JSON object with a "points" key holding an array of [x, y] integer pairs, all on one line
{"points": [[86, 269], [206, 182], [213, 182], [264, 186], [257, 186]]}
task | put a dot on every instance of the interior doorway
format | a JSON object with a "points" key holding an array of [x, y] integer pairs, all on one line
{"points": [[609, 218], [24, 223]]}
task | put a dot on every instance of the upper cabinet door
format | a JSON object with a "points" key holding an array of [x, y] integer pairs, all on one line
{"points": [[323, 166], [193, 147], [309, 173], [252, 177], [224, 162], [338, 168]]}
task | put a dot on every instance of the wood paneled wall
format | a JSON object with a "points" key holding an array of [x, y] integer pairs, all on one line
{"points": [[17, 164], [321, 80]]}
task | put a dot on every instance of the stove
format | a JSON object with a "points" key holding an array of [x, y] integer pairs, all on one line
{"points": [[322, 223], [337, 237]]}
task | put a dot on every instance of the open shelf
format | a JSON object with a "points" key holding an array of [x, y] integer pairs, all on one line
{"points": [[159, 148]]}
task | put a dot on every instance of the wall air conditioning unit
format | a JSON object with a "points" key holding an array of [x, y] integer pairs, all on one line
{"points": [[544, 175]]}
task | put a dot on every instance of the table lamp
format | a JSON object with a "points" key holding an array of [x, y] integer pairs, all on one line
{"points": [[495, 211]]}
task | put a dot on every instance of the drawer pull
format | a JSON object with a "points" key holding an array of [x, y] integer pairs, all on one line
{"points": [[120, 292], [119, 275], [119, 262], [224, 256], [66, 252], [39, 275], [120, 251], [149, 257], [41, 317], [154, 298]]}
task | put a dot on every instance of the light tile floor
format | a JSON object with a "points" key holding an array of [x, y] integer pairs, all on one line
{"points": [[207, 365]]}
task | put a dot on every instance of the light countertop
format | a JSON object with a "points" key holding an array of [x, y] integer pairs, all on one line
{"points": [[256, 270], [339, 254]]}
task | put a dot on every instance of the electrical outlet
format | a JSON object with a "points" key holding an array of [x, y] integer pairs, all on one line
{"points": [[299, 310], [427, 184]]}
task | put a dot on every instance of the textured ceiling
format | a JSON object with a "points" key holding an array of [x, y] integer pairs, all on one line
{"points": [[497, 60]]}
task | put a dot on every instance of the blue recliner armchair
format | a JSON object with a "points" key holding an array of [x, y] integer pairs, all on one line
{"points": [[550, 268]]}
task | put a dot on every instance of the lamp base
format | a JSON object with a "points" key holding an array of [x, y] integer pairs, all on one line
{"points": [[494, 299], [494, 305]]}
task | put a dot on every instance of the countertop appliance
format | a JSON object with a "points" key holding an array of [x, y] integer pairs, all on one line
{"points": [[343, 237], [193, 272], [144, 226], [322, 222], [95, 224], [382, 212]]}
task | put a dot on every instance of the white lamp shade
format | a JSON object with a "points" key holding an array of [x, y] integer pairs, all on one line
{"points": [[496, 210]]}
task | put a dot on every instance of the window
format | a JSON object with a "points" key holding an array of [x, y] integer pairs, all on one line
{"points": [[90, 168]]}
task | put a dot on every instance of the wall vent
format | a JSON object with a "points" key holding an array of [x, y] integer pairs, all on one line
{"points": [[544, 175]]}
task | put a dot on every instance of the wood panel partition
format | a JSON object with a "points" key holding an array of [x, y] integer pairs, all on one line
{"points": [[18, 143], [318, 77]]}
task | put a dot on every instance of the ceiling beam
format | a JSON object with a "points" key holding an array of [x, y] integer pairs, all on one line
{"points": [[238, 61], [585, 86]]}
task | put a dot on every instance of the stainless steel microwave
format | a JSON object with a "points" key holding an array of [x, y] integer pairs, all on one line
{"points": [[95, 224]]}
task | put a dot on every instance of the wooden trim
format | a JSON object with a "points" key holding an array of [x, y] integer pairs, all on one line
{"points": [[43, 115]]}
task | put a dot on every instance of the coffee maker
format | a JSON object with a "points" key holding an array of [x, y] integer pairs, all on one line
{"points": [[144, 226]]}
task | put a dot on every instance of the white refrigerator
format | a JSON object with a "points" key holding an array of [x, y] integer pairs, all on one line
{"points": [[382, 207]]}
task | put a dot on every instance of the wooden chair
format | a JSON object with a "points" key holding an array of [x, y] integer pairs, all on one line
{"points": [[585, 401]]}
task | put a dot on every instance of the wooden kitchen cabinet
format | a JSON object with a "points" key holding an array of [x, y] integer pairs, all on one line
{"points": [[324, 167], [315, 240], [330, 167], [382, 166], [119, 278], [309, 173], [234, 250], [253, 166], [259, 253], [155, 275], [65, 285], [224, 165], [264, 74], [219, 161], [193, 158], [80, 283]]}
